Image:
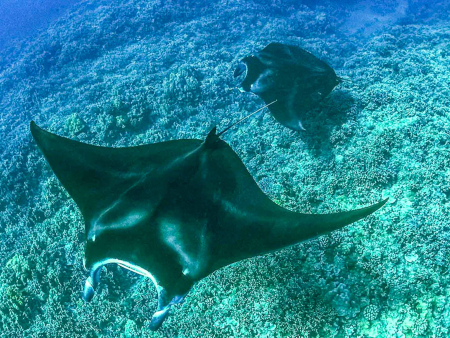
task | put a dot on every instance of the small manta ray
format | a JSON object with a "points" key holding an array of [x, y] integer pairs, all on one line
{"points": [[293, 77], [174, 211]]}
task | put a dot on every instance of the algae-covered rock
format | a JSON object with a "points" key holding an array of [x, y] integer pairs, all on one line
{"points": [[74, 125]]}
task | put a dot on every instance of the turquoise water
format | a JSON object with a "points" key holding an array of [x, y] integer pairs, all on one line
{"points": [[138, 72]]}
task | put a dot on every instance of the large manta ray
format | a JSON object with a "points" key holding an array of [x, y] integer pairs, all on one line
{"points": [[289, 75], [174, 211]]}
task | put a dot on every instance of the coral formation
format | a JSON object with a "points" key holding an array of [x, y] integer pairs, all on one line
{"points": [[133, 72]]}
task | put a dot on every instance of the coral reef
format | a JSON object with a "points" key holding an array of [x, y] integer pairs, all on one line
{"points": [[133, 72]]}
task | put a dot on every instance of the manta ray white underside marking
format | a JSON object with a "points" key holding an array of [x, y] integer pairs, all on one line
{"points": [[130, 266]]}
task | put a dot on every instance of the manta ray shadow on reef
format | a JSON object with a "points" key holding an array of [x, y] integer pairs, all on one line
{"points": [[174, 211], [333, 112]]}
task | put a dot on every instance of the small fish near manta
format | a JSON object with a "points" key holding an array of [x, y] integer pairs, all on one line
{"points": [[293, 77], [174, 211]]}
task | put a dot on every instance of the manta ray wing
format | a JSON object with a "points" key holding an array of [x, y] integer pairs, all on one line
{"points": [[94, 176]]}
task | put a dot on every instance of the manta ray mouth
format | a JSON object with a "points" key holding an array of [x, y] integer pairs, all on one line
{"points": [[129, 266]]}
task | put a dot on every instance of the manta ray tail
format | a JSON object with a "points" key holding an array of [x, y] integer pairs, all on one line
{"points": [[244, 118]]}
